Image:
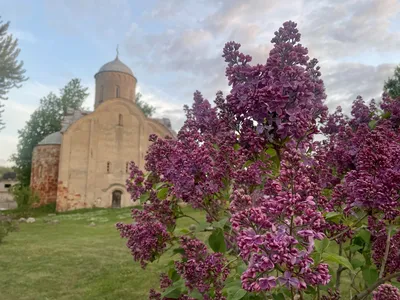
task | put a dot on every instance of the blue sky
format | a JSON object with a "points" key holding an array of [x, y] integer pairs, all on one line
{"points": [[174, 47]]}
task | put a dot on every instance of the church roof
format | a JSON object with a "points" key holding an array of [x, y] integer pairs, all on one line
{"points": [[116, 66], [52, 139]]}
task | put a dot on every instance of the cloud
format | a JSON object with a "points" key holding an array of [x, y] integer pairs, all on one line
{"points": [[175, 47], [189, 45], [166, 106], [345, 81]]}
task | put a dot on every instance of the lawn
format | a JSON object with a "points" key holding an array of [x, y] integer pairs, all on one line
{"points": [[72, 260]]}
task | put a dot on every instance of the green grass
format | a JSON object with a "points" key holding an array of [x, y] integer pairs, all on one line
{"points": [[72, 260]]}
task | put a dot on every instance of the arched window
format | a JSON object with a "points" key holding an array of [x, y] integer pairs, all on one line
{"points": [[127, 167], [120, 120], [117, 91], [101, 94], [108, 167]]}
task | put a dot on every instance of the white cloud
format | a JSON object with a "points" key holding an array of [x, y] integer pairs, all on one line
{"points": [[166, 106], [189, 49]]}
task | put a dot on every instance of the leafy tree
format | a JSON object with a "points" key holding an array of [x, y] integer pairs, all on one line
{"points": [[44, 121], [392, 85], [11, 70], [4, 170], [146, 108]]}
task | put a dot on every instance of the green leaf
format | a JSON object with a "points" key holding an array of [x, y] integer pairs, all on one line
{"points": [[173, 275], [241, 268], [279, 296], [276, 165], [333, 216], [158, 185], [232, 284], [173, 292], [357, 263], [365, 235], [372, 124], [271, 152], [162, 193], [144, 197], [178, 250], [332, 257], [247, 163], [236, 147], [196, 295], [202, 226], [220, 224], [217, 241], [396, 284], [215, 146], [310, 290], [239, 294], [386, 115], [370, 275], [355, 248], [321, 245]]}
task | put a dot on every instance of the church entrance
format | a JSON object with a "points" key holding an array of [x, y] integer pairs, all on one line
{"points": [[116, 199]]}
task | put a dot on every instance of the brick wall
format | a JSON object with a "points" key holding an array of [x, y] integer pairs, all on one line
{"points": [[44, 174]]}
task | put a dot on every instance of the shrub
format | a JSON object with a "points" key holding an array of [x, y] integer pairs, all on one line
{"points": [[288, 217], [7, 224], [24, 196]]}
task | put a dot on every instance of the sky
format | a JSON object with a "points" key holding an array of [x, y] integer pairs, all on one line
{"points": [[174, 47]]}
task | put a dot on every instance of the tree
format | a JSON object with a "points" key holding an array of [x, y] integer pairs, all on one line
{"points": [[44, 121], [392, 85], [4, 170], [146, 108], [11, 70], [285, 217]]}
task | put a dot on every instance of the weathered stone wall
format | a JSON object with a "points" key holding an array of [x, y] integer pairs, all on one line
{"points": [[96, 150], [44, 174], [6, 198]]}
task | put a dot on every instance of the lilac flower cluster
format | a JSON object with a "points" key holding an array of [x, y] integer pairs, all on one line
{"points": [[386, 292], [201, 270], [135, 184], [146, 240], [278, 229], [285, 96], [375, 182], [379, 239]]}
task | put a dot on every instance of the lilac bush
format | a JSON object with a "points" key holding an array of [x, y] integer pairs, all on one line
{"points": [[284, 216]]}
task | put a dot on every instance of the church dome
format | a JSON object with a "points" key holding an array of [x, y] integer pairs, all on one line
{"points": [[116, 66], [52, 139]]}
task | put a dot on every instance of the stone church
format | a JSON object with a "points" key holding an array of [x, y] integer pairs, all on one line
{"points": [[86, 163]]}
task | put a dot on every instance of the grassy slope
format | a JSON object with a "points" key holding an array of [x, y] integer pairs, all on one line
{"points": [[72, 260]]}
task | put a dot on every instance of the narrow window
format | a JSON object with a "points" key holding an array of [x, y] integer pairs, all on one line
{"points": [[108, 167], [40, 171], [7, 185], [120, 120], [127, 167], [117, 91], [101, 94]]}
